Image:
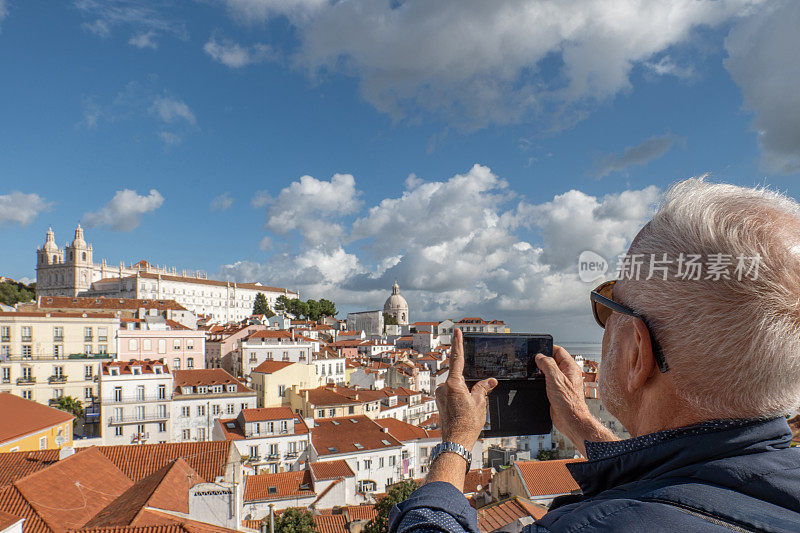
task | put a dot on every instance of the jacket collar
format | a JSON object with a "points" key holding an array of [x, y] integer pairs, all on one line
{"points": [[615, 463]]}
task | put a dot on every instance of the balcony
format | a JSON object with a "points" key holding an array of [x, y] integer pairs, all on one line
{"points": [[26, 381], [58, 338], [89, 378], [135, 398], [88, 338], [136, 419], [57, 378], [5, 338], [273, 457], [26, 338], [292, 455]]}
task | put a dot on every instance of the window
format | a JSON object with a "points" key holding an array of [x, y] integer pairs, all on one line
{"points": [[87, 349], [229, 409], [58, 350], [162, 392], [331, 412], [133, 345], [162, 427], [6, 374], [26, 373], [392, 460], [88, 371], [5, 349], [26, 334], [102, 348], [58, 393], [162, 410], [352, 409], [380, 462], [162, 345], [140, 393], [88, 392], [253, 451], [58, 333], [28, 395], [176, 344], [118, 414], [5, 333], [117, 394], [185, 411], [284, 425], [201, 410], [273, 449], [190, 362], [140, 412], [26, 351], [190, 344], [215, 409], [176, 363], [423, 451], [87, 334], [102, 334], [187, 434], [118, 431], [321, 413], [147, 345], [281, 390], [201, 434]]}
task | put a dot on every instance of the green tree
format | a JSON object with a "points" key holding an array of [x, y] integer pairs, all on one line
{"points": [[327, 308], [261, 307], [282, 303], [70, 405], [298, 308], [314, 310], [398, 493], [546, 455], [12, 292], [295, 520], [389, 320]]}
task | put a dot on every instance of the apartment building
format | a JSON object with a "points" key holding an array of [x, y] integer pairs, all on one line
{"points": [[125, 308], [135, 399], [272, 379], [265, 345], [202, 396], [158, 338], [222, 343], [479, 325], [369, 450], [331, 401], [272, 439], [44, 356], [28, 426]]}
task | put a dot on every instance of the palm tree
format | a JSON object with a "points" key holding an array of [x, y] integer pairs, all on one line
{"points": [[70, 405]]}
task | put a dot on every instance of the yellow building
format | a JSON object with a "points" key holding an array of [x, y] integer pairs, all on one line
{"points": [[331, 401], [273, 379], [26, 425]]}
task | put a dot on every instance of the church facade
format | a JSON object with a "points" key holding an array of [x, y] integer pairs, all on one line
{"points": [[397, 306], [71, 271]]}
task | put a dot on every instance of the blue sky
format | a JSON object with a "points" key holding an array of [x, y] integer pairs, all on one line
{"points": [[179, 103]]}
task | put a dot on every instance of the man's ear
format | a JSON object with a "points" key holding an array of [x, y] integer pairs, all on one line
{"points": [[642, 363]]}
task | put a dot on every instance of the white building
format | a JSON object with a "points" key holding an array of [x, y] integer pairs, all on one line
{"points": [[135, 399], [417, 445], [201, 397], [370, 451], [71, 271], [287, 346], [273, 439]]}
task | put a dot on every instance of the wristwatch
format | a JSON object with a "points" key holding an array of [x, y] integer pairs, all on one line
{"points": [[452, 447]]}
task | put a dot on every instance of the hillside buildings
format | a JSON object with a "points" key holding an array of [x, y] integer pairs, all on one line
{"points": [[28, 426]]}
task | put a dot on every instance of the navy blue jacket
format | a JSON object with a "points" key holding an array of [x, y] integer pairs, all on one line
{"points": [[713, 477]]}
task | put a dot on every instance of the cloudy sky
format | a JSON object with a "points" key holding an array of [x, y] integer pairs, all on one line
{"points": [[468, 149]]}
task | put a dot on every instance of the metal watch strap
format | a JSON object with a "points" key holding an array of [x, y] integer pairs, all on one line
{"points": [[452, 447]]}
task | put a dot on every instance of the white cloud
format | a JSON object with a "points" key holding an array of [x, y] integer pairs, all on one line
{"points": [[20, 208], [666, 66], [140, 17], [143, 40], [260, 199], [124, 211], [169, 138], [3, 10], [640, 154], [762, 61], [463, 245], [223, 202], [171, 110], [310, 206], [479, 63], [234, 55]]}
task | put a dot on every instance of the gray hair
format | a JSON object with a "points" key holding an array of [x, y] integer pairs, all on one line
{"points": [[733, 346]]}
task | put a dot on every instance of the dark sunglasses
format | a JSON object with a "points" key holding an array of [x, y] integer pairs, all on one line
{"points": [[603, 304]]}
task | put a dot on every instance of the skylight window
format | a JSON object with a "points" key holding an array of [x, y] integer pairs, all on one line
{"points": [[333, 449], [230, 425], [335, 422], [354, 421], [358, 446], [272, 490], [386, 442]]}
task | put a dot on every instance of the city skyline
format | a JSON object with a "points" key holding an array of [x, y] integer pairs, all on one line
{"points": [[291, 145]]}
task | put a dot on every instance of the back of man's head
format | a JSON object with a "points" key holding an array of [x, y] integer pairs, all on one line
{"points": [[732, 345]]}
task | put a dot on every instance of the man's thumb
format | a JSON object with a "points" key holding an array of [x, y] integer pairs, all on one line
{"points": [[484, 387]]}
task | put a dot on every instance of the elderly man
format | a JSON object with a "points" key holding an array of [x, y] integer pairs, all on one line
{"points": [[701, 370]]}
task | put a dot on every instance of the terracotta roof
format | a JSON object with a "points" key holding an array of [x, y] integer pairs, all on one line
{"points": [[7, 520], [205, 376], [54, 314], [270, 367], [432, 420], [403, 431], [297, 484], [126, 367], [331, 523], [166, 488], [232, 431], [208, 459], [322, 470], [68, 492], [17, 465], [22, 417], [500, 514], [266, 334], [360, 512], [88, 303], [477, 477], [545, 478], [332, 436], [162, 523], [267, 413], [324, 396]]}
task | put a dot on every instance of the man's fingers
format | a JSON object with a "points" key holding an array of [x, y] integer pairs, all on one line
{"points": [[482, 388], [567, 364], [548, 366], [456, 357]]}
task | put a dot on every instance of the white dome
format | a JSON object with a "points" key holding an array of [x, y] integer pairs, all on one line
{"points": [[397, 306]]}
